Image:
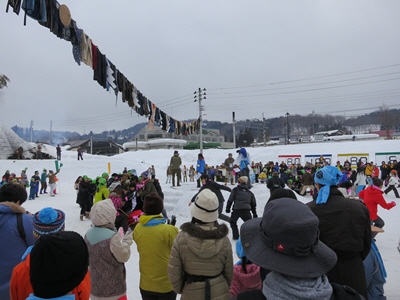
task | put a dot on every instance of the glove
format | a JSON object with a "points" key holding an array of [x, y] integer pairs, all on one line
{"points": [[393, 203], [227, 210], [255, 216]]}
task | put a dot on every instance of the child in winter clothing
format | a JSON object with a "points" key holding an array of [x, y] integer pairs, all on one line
{"points": [[393, 180], [372, 196], [66, 250], [246, 275], [154, 240], [108, 251], [45, 221], [32, 190]]}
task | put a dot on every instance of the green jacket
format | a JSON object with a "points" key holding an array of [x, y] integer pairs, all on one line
{"points": [[102, 193], [175, 162]]}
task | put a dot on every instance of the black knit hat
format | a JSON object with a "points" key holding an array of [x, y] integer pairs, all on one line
{"points": [[59, 262], [153, 204]]}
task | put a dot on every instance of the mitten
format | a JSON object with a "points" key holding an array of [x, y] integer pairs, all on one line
{"points": [[128, 237], [393, 203]]}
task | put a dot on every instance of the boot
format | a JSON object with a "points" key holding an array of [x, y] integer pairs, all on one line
{"points": [[87, 215], [81, 218]]}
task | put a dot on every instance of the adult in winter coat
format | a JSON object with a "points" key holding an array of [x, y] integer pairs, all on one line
{"points": [[393, 180], [13, 242], [275, 182], [216, 189], [243, 201], [385, 170], [84, 197], [285, 241], [200, 167], [175, 165], [344, 227], [372, 197], [108, 251], [201, 262], [154, 240], [229, 163]]}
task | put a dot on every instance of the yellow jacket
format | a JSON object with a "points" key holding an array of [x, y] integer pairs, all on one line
{"points": [[154, 241]]}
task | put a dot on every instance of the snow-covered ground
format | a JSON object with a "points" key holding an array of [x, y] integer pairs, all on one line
{"points": [[176, 199]]}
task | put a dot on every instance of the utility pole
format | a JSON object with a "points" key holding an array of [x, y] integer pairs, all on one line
{"points": [[287, 138], [234, 129], [199, 95], [265, 142], [31, 129]]}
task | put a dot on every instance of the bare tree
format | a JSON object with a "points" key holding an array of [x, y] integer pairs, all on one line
{"points": [[3, 81]]}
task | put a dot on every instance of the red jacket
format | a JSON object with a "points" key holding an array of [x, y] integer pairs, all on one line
{"points": [[372, 196], [20, 283]]}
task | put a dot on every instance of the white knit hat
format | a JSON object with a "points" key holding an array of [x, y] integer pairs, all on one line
{"points": [[205, 206]]}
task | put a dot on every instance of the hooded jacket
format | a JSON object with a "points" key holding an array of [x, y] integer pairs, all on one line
{"points": [[154, 241], [245, 281], [203, 250], [372, 197], [108, 252], [12, 246]]}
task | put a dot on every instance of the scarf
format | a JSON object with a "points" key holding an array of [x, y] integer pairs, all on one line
{"points": [[281, 287]]}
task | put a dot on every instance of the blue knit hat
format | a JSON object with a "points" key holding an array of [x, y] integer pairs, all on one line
{"points": [[327, 177], [48, 220]]}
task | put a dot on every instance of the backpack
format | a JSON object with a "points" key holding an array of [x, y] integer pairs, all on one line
{"points": [[20, 227], [344, 292], [158, 188], [276, 183]]}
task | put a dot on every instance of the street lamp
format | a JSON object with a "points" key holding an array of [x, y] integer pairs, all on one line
{"points": [[287, 139], [199, 95]]}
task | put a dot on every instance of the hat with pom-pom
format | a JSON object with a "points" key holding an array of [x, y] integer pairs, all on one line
{"points": [[48, 220]]}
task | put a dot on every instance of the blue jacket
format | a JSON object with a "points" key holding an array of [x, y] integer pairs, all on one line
{"points": [[12, 246], [200, 166]]}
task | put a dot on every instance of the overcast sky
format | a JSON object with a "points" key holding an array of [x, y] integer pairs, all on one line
{"points": [[253, 57]]}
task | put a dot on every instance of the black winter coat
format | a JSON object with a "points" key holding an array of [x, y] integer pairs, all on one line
{"points": [[242, 198], [345, 228], [275, 183], [216, 189]]}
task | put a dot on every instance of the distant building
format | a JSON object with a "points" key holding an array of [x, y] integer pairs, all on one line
{"points": [[98, 146], [159, 139]]}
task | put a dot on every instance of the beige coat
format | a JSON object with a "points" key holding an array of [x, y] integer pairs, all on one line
{"points": [[202, 250]]}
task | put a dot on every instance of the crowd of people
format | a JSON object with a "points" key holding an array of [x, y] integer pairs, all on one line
{"points": [[324, 249]]}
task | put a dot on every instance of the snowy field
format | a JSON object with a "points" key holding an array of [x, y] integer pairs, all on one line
{"points": [[176, 199]]}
